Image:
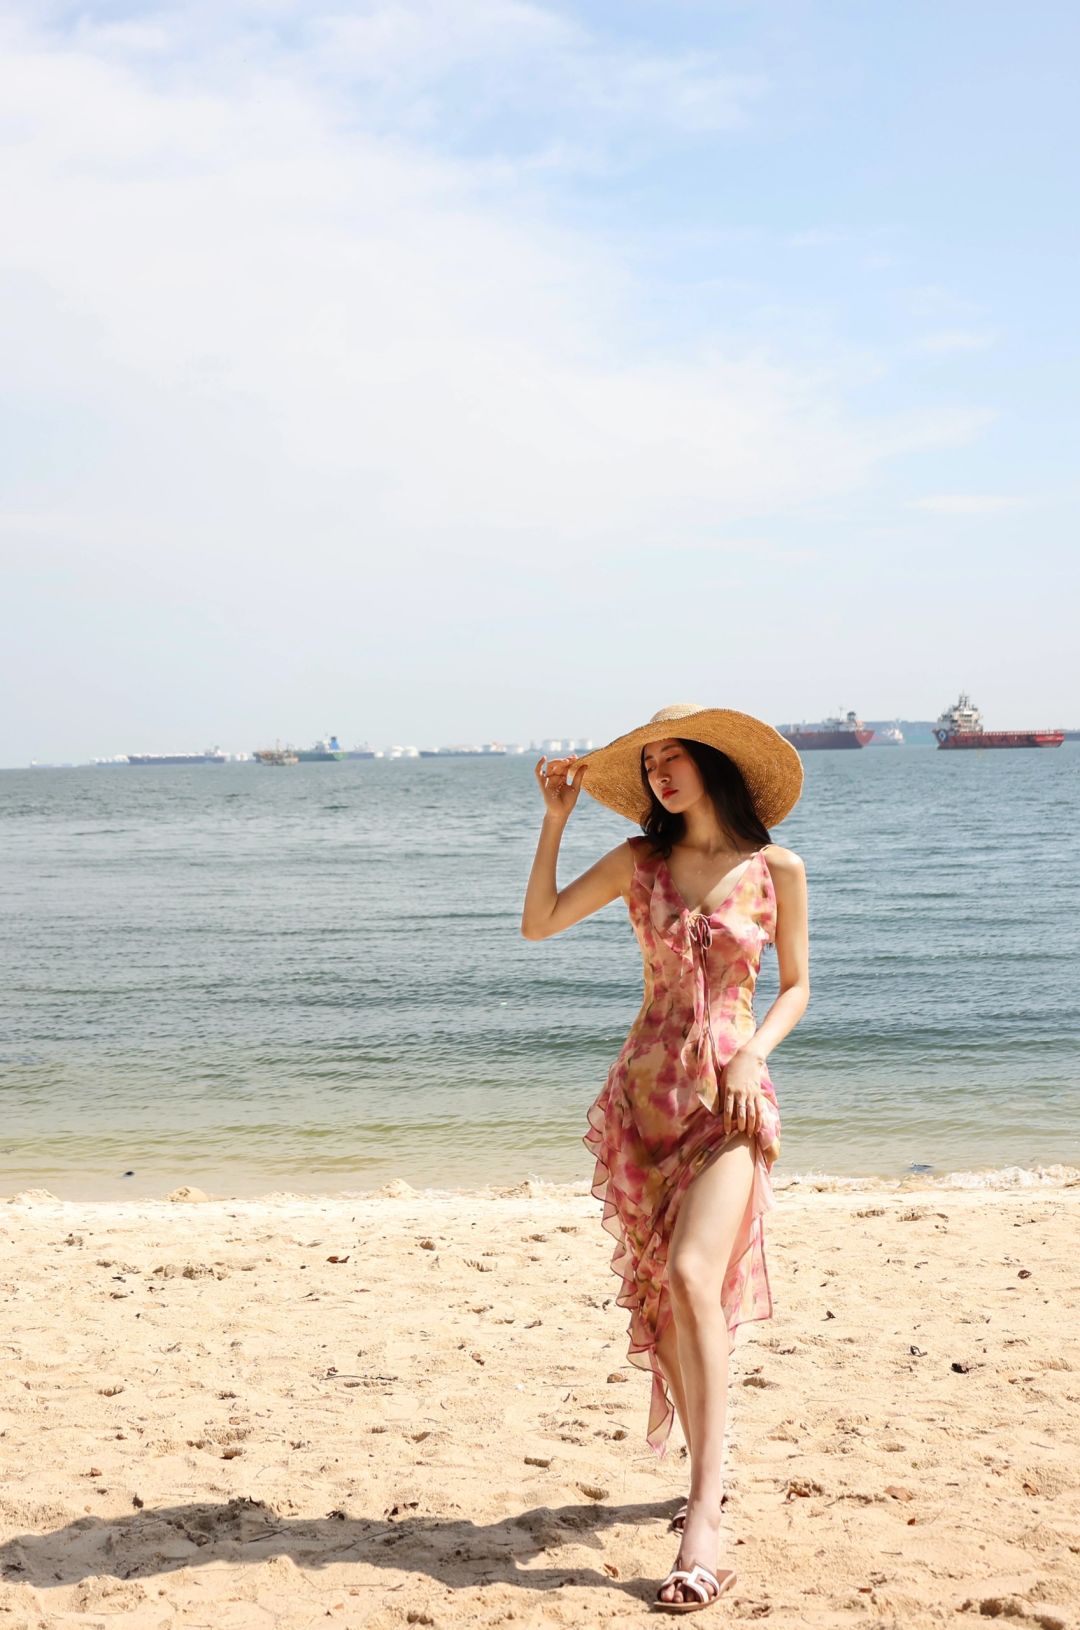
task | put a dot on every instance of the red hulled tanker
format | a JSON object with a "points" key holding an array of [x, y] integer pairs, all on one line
{"points": [[846, 732], [961, 726]]}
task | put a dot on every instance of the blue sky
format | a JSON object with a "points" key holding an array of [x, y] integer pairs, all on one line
{"points": [[427, 372]]}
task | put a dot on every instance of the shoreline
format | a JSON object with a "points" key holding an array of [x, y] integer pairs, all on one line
{"points": [[979, 1180]]}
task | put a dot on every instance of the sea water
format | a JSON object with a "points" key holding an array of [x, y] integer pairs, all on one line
{"points": [[312, 977]]}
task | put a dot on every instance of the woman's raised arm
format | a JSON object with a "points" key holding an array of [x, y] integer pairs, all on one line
{"points": [[549, 909]]}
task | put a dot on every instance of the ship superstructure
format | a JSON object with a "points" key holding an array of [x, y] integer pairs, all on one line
{"points": [[848, 731], [961, 726], [326, 750]]}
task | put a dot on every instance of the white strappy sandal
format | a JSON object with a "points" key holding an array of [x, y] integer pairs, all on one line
{"points": [[695, 1578]]}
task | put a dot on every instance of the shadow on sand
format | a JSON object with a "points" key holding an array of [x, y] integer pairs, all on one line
{"points": [[452, 1551]]}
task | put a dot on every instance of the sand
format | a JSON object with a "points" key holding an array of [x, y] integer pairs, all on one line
{"points": [[416, 1408]]}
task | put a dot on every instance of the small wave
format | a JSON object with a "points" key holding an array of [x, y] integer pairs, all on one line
{"points": [[1000, 1177], [537, 1187]]}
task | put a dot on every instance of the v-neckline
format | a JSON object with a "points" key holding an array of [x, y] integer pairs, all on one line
{"points": [[686, 909]]}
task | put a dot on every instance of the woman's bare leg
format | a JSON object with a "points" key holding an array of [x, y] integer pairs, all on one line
{"points": [[667, 1351], [702, 1242]]}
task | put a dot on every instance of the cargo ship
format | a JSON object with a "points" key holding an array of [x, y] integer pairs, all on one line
{"points": [[212, 755], [492, 749], [890, 735], [276, 755], [848, 731], [327, 749], [961, 726]]}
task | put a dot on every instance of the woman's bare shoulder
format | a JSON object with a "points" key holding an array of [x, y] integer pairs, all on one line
{"points": [[783, 861], [619, 865], [629, 853]]}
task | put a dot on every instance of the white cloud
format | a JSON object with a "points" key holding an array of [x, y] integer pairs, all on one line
{"points": [[520, 57], [966, 503], [952, 340], [264, 329], [943, 305], [423, 65]]}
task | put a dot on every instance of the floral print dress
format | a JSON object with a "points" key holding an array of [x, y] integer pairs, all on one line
{"points": [[659, 1119]]}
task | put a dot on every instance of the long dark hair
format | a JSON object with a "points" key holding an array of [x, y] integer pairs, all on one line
{"points": [[725, 786]]}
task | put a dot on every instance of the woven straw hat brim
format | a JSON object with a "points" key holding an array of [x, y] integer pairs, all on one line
{"points": [[770, 765]]}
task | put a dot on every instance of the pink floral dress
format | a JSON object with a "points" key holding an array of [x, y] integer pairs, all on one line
{"points": [[659, 1119]]}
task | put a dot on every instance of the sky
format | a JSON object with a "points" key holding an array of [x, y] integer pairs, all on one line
{"points": [[426, 372]]}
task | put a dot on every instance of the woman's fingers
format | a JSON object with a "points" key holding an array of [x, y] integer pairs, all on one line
{"points": [[550, 771], [559, 779], [742, 1114], [564, 771]]}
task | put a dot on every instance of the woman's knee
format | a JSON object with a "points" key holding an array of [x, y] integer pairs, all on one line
{"points": [[693, 1276]]}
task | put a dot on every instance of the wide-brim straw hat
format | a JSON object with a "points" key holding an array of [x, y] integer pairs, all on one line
{"points": [[770, 765]]}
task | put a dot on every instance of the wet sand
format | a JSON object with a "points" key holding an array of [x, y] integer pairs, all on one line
{"points": [[209, 1421]]}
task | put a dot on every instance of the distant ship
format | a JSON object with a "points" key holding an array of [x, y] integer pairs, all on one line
{"points": [[212, 755], [492, 749], [846, 732], [961, 726], [275, 755], [890, 736], [326, 750]]}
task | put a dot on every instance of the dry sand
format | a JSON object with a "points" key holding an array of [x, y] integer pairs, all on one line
{"points": [[409, 1408]]}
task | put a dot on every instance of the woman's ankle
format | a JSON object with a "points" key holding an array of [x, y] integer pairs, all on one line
{"points": [[706, 1502]]}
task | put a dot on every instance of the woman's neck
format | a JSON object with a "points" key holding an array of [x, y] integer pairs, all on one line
{"points": [[703, 831]]}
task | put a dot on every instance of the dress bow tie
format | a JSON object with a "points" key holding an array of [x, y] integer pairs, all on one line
{"points": [[698, 1051], [700, 929]]}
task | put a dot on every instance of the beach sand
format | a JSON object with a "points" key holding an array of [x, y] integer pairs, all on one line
{"points": [[416, 1408]]}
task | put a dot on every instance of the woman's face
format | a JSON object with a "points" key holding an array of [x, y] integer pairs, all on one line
{"points": [[673, 775]]}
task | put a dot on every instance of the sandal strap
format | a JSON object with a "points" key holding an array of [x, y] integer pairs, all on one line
{"points": [[684, 1576]]}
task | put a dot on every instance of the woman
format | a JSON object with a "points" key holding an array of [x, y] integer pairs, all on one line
{"points": [[687, 1127]]}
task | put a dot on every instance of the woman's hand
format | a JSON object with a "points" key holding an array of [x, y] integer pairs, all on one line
{"points": [[742, 1096], [560, 781]]}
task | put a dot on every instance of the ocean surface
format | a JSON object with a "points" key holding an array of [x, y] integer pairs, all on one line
{"points": [[312, 978]]}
